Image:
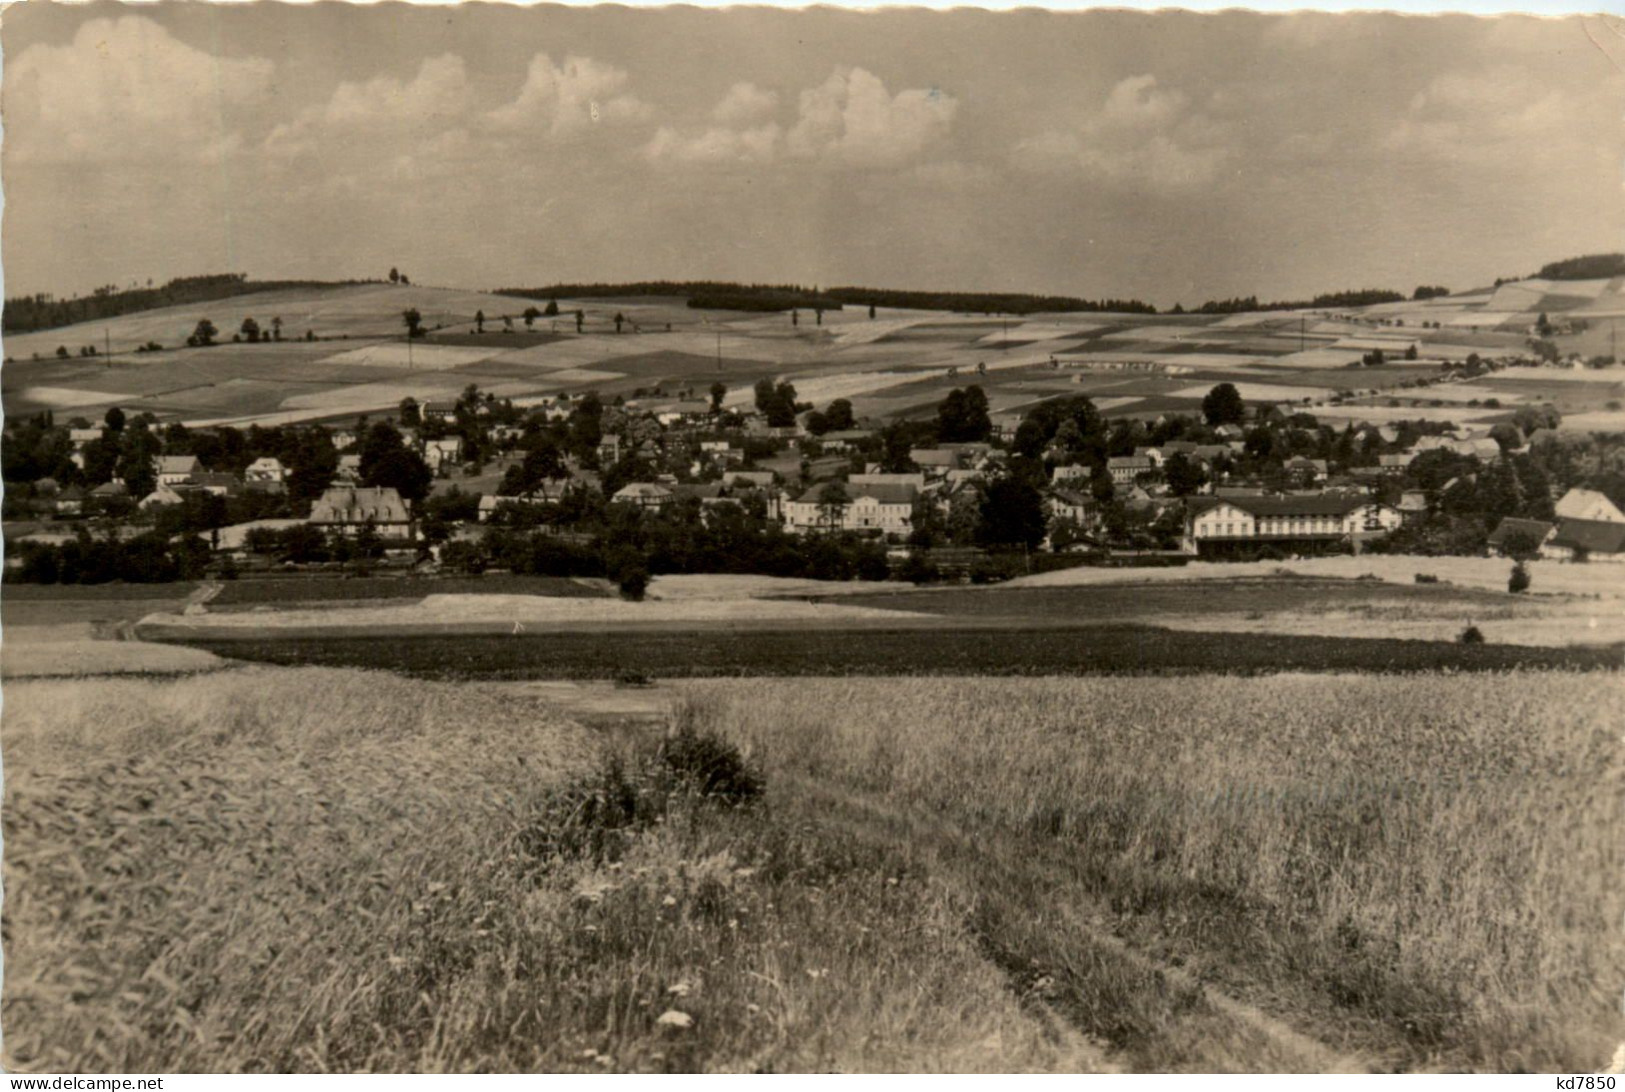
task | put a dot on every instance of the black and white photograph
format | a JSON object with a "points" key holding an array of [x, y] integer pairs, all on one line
{"points": [[682, 540]]}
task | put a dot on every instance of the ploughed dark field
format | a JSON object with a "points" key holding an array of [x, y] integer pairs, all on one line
{"points": [[962, 650]]}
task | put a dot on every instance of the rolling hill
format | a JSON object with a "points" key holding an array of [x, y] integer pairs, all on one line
{"points": [[900, 363]]}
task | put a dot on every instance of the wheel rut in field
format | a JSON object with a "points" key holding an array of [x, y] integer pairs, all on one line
{"points": [[1054, 945]]}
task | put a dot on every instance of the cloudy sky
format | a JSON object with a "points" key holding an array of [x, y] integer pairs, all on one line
{"points": [[1164, 156]]}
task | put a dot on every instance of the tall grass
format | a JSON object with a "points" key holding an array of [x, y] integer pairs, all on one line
{"points": [[311, 869], [1426, 868]]}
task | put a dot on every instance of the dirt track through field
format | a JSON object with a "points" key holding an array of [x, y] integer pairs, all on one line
{"points": [[1226, 1031]]}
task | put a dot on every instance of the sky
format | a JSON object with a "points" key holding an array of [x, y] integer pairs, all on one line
{"points": [[1171, 157]]}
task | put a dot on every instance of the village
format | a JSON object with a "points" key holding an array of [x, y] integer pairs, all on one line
{"points": [[475, 483]]}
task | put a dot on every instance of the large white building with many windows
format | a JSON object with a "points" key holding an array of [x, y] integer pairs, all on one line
{"points": [[1213, 523], [886, 509]]}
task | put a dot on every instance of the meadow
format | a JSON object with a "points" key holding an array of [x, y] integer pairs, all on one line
{"points": [[1406, 873], [315, 869]]}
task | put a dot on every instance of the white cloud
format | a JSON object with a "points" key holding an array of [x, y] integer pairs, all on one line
{"points": [[437, 94], [852, 119], [362, 113], [1143, 135], [126, 90], [1481, 113], [559, 99], [745, 104], [715, 145], [1138, 103]]}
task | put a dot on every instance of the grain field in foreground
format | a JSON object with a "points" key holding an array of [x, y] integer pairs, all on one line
{"points": [[1286, 872], [310, 869], [303, 869]]}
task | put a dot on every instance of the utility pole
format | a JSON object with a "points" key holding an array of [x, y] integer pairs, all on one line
{"points": [[719, 350]]}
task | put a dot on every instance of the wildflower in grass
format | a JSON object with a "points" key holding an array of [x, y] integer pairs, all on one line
{"points": [[672, 1018]]}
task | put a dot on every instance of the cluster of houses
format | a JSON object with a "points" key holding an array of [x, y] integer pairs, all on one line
{"points": [[690, 459], [176, 478], [1587, 526], [180, 475]]}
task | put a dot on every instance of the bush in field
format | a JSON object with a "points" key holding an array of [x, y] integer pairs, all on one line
{"points": [[1472, 635], [463, 557], [708, 765], [634, 584], [994, 569], [597, 816], [919, 569], [1519, 580]]}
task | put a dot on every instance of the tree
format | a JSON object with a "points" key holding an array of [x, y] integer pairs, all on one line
{"points": [[387, 462], [276, 327], [839, 416], [1012, 514], [962, 417], [479, 321], [1183, 475], [832, 503], [776, 402], [411, 413], [1101, 486], [312, 461], [581, 317], [114, 419], [719, 391], [619, 319], [871, 312], [394, 275], [250, 329], [1520, 545], [551, 310], [896, 449], [1519, 580], [1223, 406], [203, 333], [542, 463], [414, 322], [531, 315], [1508, 435]]}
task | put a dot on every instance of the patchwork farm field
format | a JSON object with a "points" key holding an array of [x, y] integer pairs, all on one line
{"points": [[839, 648], [252, 592], [897, 364]]}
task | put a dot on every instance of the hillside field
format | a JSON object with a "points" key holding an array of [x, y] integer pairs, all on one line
{"points": [[899, 364]]}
